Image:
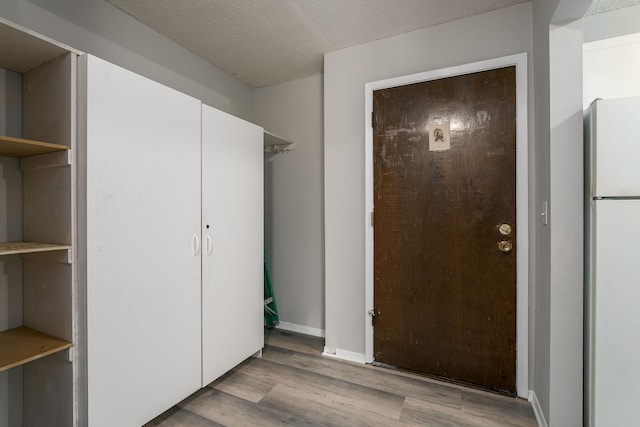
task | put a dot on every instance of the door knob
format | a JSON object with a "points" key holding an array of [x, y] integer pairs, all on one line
{"points": [[505, 246], [504, 229]]}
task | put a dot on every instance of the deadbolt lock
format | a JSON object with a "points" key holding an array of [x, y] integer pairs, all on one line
{"points": [[505, 246], [504, 229]]}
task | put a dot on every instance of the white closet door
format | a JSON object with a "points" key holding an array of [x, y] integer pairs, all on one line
{"points": [[143, 237], [232, 232]]}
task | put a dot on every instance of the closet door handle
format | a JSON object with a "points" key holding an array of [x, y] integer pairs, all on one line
{"points": [[196, 244], [209, 244]]}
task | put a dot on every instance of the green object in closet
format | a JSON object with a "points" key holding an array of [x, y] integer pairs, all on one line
{"points": [[270, 309]]}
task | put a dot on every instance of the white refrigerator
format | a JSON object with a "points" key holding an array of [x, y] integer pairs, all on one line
{"points": [[612, 294]]}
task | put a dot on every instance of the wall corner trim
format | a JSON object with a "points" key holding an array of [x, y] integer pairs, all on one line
{"points": [[349, 356], [537, 409]]}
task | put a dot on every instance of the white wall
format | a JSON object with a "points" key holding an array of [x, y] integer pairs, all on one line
{"points": [[611, 68], [495, 34], [294, 224], [542, 17], [566, 221], [557, 385], [98, 28]]}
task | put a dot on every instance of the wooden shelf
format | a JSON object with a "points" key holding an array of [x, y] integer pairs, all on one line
{"points": [[275, 144], [18, 147], [21, 345], [11, 248]]}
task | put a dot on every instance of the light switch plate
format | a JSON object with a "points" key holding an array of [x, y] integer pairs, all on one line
{"points": [[545, 213]]}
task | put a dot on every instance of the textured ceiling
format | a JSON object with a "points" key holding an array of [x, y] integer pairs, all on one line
{"points": [[263, 42], [600, 6]]}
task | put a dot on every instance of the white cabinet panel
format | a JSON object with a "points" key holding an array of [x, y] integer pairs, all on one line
{"points": [[143, 259], [232, 233]]}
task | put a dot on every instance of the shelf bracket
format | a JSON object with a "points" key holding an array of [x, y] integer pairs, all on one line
{"points": [[67, 355]]}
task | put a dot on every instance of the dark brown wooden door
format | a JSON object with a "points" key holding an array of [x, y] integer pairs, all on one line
{"points": [[444, 182]]}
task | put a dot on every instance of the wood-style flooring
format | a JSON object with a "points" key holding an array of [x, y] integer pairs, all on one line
{"points": [[294, 385]]}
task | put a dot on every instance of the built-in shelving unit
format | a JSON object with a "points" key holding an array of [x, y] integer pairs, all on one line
{"points": [[38, 315], [21, 345], [275, 144], [18, 147]]}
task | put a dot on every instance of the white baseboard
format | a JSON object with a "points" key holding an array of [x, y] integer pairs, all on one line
{"points": [[537, 409], [347, 355], [301, 329]]}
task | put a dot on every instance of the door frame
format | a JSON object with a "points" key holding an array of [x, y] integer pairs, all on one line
{"points": [[522, 199]]}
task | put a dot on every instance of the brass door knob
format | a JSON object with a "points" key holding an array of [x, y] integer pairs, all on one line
{"points": [[505, 246], [504, 229]]}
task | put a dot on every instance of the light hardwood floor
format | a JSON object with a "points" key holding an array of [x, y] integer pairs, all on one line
{"points": [[294, 385]]}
